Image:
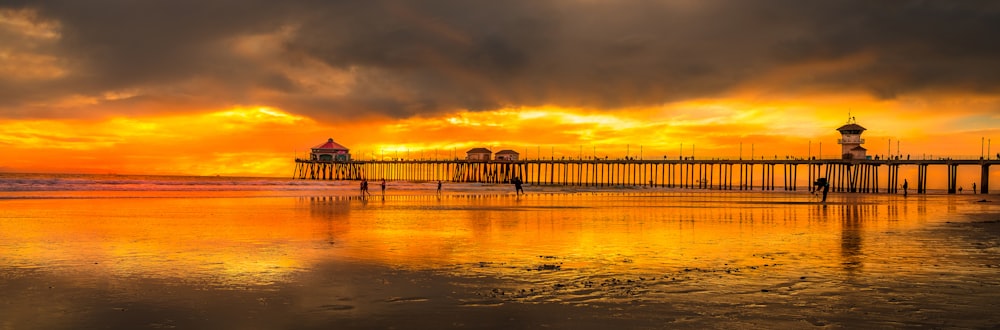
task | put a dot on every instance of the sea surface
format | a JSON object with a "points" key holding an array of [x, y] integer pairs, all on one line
{"points": [[137, 252]]}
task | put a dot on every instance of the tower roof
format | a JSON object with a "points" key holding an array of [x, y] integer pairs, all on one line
{"points": [[851, 127], [479, 151], [330, 145]]}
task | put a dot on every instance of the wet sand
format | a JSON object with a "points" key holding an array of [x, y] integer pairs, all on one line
{"points": [[480, 257]]}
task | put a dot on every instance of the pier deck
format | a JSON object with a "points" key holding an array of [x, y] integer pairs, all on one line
{"points": [[860, 176]]}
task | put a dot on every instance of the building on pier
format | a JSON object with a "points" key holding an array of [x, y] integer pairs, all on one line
{"points": [[850, 140], [479, 154], [330, 151], [507, 155]]}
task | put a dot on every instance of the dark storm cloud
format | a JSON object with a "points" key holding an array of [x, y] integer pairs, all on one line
{"points": [[418, 57]]}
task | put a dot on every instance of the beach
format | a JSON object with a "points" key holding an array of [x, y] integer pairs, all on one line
{"points": [[141, 252]]}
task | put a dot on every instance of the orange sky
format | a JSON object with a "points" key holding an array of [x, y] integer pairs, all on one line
{"points": [[246, 96], [262, 141]]}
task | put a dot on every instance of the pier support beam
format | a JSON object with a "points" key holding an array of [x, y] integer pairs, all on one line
{"points": [[984, 180], [921, 179], [952, 179]]}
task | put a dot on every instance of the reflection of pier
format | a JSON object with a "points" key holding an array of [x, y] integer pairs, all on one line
{"points": [[844, 175]]}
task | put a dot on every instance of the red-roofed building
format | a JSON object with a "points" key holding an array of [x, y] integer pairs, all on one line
{"points": [[330, 152]]}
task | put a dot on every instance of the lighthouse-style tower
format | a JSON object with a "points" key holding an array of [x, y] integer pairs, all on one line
{"points": [[850, 140]]}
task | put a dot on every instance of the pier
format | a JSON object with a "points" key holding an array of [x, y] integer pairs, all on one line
{"points": [[854, 176]]}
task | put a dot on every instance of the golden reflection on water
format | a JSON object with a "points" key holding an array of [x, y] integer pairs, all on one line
{"points": [[251, 241]]}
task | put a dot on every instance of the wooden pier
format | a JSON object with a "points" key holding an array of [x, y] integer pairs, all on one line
{"points": [[857, 176]]}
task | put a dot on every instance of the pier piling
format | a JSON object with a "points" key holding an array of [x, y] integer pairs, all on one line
{"points": [[855, 176]]}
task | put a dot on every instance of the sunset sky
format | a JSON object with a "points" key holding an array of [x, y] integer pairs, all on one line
{"points": [[242, 87]]}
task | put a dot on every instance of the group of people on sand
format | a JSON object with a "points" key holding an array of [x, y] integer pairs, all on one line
{"points": [[364, 187], [906, 185]]}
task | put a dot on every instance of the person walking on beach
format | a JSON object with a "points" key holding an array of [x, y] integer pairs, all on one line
{"points": [[439, 186], [517, 185], [905, 186], [364, 188], [383, 187], [973, 188]]}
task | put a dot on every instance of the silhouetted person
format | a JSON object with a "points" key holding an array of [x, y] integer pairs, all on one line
{"points": [[826, 189], [822, 183], [364, 187], [517, 185], [973, 188], [439, 186], [959, 190], [906, 185], [383, 187]]}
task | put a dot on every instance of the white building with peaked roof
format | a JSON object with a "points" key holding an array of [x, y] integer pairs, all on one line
{"points": [[478, 154], [507, 155], [850, 141]]}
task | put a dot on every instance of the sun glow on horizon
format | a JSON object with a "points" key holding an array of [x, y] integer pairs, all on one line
{"points": [[195, 144], [263, 140]]}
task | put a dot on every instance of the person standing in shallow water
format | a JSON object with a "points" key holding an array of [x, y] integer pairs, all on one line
{"points": [[826, 189], [517, 185], [383, 187], [905, 186], [439, 186]]}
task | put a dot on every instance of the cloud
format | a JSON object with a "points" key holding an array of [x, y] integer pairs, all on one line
{"points": [[349, 59]]}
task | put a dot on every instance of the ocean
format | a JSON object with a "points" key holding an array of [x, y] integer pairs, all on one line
{"points": [[127, 252]]}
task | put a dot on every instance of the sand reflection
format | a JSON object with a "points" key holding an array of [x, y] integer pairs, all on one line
{"points": [[318, 257], [242, 241]]}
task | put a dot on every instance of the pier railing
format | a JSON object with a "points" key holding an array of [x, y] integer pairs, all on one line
{"points": [[861, 176]]}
